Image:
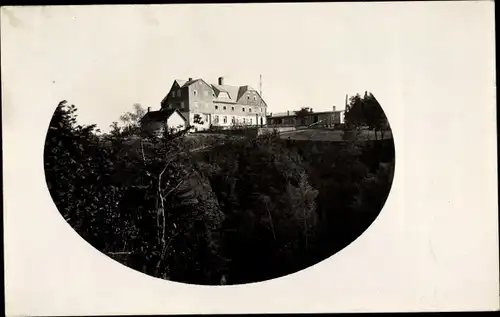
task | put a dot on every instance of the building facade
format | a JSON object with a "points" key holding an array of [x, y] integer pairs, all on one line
{"points": [[327, 119], [204, 104]]}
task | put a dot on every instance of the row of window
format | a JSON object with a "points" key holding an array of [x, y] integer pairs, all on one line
{"points": [[232, 108], [223, 107], [233, 120], [206, 94]]}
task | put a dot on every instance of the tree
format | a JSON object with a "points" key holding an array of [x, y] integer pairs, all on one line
{"points": [[354, 115], [146, 210], [115, 129], [74, 168], [302, 114], [376, 119], [268, 205], [157, 206], [131, 120], [366, 112]]}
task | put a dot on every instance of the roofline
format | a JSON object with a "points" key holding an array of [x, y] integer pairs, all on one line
{"points": [[213, 87], [195, 80], [225, 101], [309, 114], [174, 110], [180, 113]]}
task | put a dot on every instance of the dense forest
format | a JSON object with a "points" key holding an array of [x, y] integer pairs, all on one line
{"points": [[241, 210]]}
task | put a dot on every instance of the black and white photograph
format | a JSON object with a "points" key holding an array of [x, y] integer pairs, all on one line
{"points": [[214, 188], [249, 158]]}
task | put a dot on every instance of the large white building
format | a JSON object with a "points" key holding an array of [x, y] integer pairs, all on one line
{"points": [[216, 104]]}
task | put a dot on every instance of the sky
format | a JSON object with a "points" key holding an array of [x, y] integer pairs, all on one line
{"points": [[104, 59]]}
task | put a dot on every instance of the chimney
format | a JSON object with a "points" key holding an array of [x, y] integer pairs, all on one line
{"points": [[333, 108], [288, 112], [221, 81], [149, 109], [190, 78]]}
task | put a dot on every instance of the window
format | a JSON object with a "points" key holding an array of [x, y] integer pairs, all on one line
{"points": [[249, 109], [225, 119], [232, 108], [224, 107], [244, 120], [216, 119], [243, 109], [194, 92], [233, 120], [172, 94], [216, 107], [260, 109], [254, 98], [248, 97], [250, 121], [178, 93], [182, 104], [206, 118]]}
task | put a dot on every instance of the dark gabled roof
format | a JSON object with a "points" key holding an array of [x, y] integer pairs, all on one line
{"points": [[160, 115], [243, 90], [180, 82]]}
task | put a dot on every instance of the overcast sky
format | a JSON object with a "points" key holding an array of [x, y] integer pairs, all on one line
{"points": [[105, 59]]}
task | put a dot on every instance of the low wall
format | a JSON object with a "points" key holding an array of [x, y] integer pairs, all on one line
{"points": [[278, 129], [245, 131]]}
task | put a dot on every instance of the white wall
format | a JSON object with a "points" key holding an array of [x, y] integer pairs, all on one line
{"points": [[251, 119], [211, 119], [176, 121]]}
